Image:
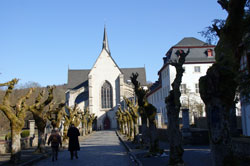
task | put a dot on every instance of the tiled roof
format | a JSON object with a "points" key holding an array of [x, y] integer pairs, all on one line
{"points": [[79, 78], [198, 51], [190, 41]]}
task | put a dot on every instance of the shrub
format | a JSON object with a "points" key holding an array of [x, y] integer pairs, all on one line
{"points": [[25, 133]]}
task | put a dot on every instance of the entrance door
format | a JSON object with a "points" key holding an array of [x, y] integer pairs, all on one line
{"points": [[106, 123]]}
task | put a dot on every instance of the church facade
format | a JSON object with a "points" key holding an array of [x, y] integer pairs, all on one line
{"points": [[102, 88]]}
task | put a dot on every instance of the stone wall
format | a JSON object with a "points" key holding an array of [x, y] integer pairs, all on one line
{"points": [[201, 122], [198, 136], [5, 146]]}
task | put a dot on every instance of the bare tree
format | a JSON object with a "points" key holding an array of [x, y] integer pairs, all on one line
{"points": [[16, 115], [148, 113], [173, 106], [133, 109], [55, 114], [40, 115]]}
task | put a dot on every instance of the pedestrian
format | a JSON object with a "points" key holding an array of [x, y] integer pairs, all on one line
{"points": [[74, 146], [55, 140]]}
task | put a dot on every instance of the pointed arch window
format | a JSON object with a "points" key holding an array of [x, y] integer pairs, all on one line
{"points": [[107, 96]]}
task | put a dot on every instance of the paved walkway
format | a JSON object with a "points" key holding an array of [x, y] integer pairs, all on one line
{"points": [[193, 155], [101, 148]]}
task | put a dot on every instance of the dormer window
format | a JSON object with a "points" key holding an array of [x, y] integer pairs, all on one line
{"points": [[210, 53]]}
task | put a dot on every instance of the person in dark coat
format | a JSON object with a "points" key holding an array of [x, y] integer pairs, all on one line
{"points": [[74, 146], [55, 140]]}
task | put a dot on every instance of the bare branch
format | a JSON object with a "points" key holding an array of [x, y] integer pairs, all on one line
{"points": [[21, 101], [216, 29], [224, 4], [10, 85], [12, 82]]}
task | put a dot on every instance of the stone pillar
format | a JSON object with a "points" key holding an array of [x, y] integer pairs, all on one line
{"points": [[139, 121], [32, 127], [185, 121], [159, 120], [32, 132]]}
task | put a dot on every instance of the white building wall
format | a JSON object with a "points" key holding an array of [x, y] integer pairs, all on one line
{"points": [[104, 69], [190, 78]]}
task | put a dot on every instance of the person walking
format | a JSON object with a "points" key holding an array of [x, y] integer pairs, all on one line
{"points": [[74, 146], [55, 140]]}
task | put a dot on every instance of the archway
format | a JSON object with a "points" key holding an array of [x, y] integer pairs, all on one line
{"points": [[106, 123]]}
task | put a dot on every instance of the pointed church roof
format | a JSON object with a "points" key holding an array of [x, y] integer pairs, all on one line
{"points": [[105, 44]]}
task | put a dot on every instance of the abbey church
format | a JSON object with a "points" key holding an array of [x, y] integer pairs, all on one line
{"points": [[103, 87]]}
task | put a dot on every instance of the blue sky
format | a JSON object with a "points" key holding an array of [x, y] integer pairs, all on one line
{"points": [[40, 39]]}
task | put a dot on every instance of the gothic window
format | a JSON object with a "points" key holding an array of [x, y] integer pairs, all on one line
{"points": [[107, 96]]}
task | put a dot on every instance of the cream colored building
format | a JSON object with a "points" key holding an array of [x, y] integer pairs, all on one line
{"points": [[199, 59]]}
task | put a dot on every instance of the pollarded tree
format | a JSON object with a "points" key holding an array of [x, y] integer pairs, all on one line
{"points": [[70, 117], [148, 113], [16, 115], [84, 119], [141, 96], [91, 119], [40, 116], [120, 119], [218, 87], [154, 141], [133, 109], [173, 106], [55, 114], [130, 124]]}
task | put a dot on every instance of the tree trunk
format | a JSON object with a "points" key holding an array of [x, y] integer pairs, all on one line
{"points": [[220, 140], [129, 128], [173, 106], [131, 134], [123, 128], [233, 122], [83, 129], [41, 142], [174, 137], [154, 142], [15, 145], [144, 129], [136, 129]]}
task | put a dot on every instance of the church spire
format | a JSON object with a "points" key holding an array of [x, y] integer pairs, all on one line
{"points": [[105, 44]]}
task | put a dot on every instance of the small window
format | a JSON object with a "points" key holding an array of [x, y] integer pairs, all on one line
{"points": [[196, 88], [183, 89], [209, 53], [197, 69]]}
